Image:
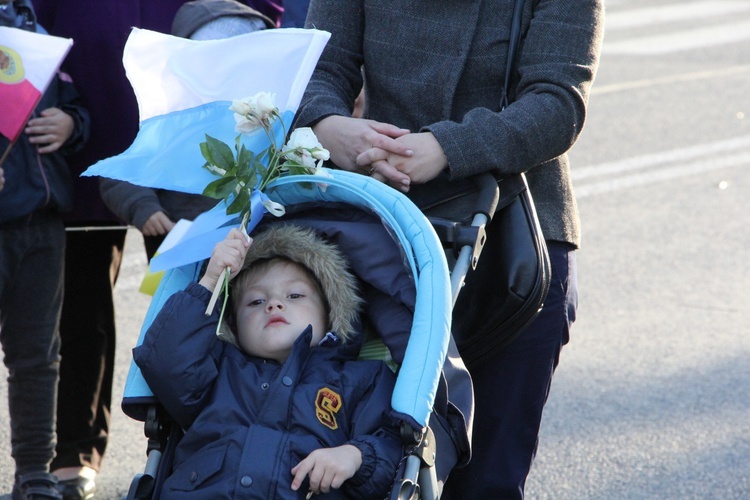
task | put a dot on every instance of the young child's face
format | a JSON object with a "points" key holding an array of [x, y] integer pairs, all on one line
{"points": [[277, 304]]}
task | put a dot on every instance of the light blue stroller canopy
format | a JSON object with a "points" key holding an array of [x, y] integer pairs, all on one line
{"points": [[424, 354]]}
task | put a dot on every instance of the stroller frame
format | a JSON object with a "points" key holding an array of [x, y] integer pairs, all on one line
{"points": [[426, 355]]}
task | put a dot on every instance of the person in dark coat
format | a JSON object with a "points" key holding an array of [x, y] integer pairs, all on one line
{"points": [[278, 405], [433, 73], [155, 211], [99, 29], [295, 12], [37, 188]]}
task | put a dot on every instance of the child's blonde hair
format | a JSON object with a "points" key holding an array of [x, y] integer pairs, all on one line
{"points": [[322, 261]]}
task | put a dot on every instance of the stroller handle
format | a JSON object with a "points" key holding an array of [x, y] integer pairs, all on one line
{"points": [[488, 194]]}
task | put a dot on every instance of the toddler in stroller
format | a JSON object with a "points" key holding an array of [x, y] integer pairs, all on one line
{"points": [[403, 278], [285, 381]]}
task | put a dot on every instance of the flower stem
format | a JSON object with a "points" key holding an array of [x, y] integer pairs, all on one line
{"points": [[225, 285], [224, 276]]}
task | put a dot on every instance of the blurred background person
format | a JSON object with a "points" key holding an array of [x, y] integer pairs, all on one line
{"points": [[99, 29], [295, 12], [38, 188]]}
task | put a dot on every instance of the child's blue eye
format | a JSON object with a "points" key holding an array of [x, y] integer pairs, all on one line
{"points": [[295, 295], [256, 302]]}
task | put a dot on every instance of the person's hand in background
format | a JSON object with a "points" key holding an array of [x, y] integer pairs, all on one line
{"points": [[50, 130]]}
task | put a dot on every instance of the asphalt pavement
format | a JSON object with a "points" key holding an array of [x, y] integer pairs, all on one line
{"points": [[652, 396]]}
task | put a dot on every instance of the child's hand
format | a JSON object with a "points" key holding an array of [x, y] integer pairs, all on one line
{"points": [[328, 468], [157, 224], [228, 253], [50, 130]]}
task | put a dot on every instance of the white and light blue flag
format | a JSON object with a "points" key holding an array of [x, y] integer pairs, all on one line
{"points": [[184, 90]]}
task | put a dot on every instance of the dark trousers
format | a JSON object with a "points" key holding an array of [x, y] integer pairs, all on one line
{"points": [[510, 391], [87, 329], [31, 277]]}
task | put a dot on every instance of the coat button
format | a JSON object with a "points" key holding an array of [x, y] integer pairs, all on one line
{"points": [[264, 386], [287, 381], [246, 481], [193, 477]]}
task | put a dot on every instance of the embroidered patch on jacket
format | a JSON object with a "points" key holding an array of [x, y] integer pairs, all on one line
{"points": [[327, 404]]}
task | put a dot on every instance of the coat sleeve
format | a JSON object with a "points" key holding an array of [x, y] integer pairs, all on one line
{"points": [[70, 102], [556, 65], [133, 204], [557, 62], [375, 434], [180, 353], [337, 79]]}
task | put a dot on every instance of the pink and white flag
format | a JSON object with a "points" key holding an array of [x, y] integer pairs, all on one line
{"points": [[28, 61]]}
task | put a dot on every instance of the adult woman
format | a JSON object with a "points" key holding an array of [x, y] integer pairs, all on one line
{"points": [[433, 73]]}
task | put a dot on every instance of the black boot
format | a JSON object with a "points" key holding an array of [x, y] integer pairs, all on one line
{"points": [[36, 486]]}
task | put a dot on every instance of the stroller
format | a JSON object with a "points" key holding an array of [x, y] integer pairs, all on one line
{"points": [[408, 291]]}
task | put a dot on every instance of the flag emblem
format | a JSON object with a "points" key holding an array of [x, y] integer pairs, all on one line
{"points": [[26, 70], [11, 66]]}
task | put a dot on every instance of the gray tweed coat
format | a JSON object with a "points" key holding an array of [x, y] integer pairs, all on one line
{"points": [[439, 66]]}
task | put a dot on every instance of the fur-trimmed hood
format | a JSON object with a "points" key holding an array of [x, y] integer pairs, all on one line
{"points": [[324, 260]]}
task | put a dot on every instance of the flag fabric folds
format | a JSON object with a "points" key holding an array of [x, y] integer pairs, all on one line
{"points": [[184, 90], [201, 235], [28, 61]]}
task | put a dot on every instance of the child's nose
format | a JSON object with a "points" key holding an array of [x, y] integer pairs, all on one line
{"points": [[274, 304]]}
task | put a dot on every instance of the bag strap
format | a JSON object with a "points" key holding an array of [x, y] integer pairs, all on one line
{"points": [[513, 43]]}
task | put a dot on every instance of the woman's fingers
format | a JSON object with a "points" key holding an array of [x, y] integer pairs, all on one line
{"points": [[385, 172], [370, 156]]}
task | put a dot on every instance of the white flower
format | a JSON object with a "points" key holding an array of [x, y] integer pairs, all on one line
{"points": [[304, 148], [321, 154], [246, 125], [240, 107], [251, 113], [322, 172], [264, 103], [303, 137]]}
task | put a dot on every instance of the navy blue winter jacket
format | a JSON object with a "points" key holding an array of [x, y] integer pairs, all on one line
{"points": [[249, 421], [36, 181]]}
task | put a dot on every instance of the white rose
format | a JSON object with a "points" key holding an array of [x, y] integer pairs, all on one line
{"points": [[303, 137], [264, 103], [245, 123], [298, 155], [324, 173], [304, 148], [321, 154], [240, 106], [253, 112]]}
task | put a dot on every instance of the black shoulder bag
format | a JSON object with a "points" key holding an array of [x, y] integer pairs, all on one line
{"points": [[506, 290]]}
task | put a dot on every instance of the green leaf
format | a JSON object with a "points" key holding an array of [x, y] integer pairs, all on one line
{"points": [[244, 161], [206, 153], [296, 169], [220, 188], [217, 153], [251, 180], [260, 169], [241, 201]]}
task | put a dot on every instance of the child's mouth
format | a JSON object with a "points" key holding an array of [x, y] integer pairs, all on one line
{"points": [[277, 320]]}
